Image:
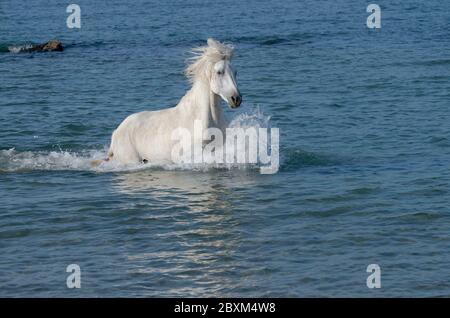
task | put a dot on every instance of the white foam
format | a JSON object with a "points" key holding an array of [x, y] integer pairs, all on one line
{"points": [[19, 48], [254, 118]]}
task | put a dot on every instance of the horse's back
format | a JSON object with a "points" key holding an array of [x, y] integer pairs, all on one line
{"points": [[134, 139]]}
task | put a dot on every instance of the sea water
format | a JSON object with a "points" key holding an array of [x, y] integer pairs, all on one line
{"points": [[364, 151]]}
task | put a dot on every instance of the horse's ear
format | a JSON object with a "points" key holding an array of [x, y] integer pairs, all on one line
{"points": [[211, 42]]}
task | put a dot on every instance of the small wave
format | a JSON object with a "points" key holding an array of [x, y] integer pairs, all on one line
{"points": [[436, 62], [4, 48], [294, 158], [269, 40], [15, 48], [15, 161], [12, 160], [20, 48], [417, 216], [440, 141]]}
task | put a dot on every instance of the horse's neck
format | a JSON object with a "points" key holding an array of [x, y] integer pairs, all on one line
{"points": [[205, 105]]}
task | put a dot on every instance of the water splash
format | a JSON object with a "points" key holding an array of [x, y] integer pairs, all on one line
{"points": [[12, 160], [20, 48], [254, 118]]}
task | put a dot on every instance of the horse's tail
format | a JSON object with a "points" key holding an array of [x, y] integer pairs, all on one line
{"points": [[97, 162]]}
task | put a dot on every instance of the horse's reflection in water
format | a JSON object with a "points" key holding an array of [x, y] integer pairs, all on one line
{"points": [[189, 230], [195, 191]]}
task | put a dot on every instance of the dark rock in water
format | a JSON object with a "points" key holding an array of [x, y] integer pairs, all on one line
{"points": [[50, 46]]}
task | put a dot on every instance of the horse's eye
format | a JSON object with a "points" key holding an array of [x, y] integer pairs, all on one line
{"points": [[219, 72]]}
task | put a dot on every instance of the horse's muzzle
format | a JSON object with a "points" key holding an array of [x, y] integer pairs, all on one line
{"points": [[236, 101]]}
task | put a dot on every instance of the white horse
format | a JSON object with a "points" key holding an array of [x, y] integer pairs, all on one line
{"points": [[146, 136]]}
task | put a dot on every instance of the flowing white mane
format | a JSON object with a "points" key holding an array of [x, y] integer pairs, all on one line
{"points": [[205, 57]]}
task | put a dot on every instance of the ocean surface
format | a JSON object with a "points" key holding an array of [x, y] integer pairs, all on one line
{"points": [[364, 151]]}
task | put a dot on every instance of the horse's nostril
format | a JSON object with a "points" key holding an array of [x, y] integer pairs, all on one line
{"points": [[236, 100]]}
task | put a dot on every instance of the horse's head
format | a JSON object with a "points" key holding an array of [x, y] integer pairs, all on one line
{"points": [[223, 83], [213, 63]]}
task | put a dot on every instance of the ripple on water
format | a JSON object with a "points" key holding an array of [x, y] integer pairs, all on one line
{"points": [[295, 158]]}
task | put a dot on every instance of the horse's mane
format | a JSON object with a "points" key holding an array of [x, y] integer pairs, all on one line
{"points": [[204, 58]]}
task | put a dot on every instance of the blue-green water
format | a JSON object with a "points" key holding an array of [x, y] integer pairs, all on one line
{"points": [[364, 177]]}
